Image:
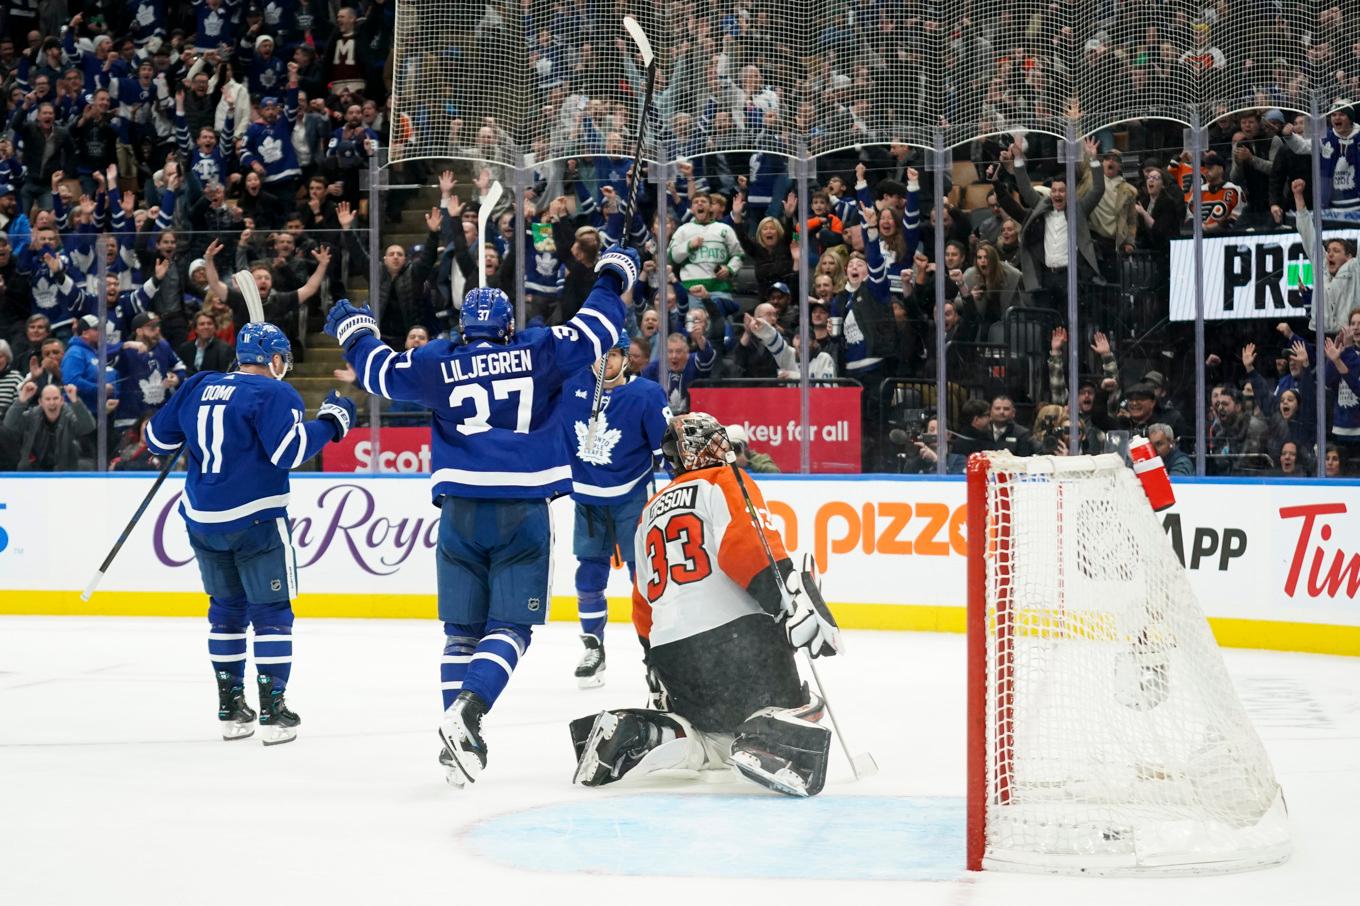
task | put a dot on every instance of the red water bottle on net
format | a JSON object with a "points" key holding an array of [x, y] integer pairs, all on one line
{"points": [[1151, 471]]}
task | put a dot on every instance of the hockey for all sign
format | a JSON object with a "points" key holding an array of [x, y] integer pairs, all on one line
{"points": [[1246, 275], [770, 416]]}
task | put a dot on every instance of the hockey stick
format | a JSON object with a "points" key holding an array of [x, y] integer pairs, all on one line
{"points": [[132, 523], [489, 201], [863, 764], [245, 282], [644, 48]]}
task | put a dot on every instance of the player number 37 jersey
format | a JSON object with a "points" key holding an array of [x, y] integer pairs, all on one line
{"points": [[698, 557]]}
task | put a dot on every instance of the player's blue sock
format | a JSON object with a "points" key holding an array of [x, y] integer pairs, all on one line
{"points": [[460, 641], [594, 612], [495, 658], [592, 575], [273, 624], [227, 637]]}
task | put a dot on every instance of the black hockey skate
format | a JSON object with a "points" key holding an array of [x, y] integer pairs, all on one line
{"points": [[590, 672], [277, 724], [618, 742], [238, 718], [462, 735]]}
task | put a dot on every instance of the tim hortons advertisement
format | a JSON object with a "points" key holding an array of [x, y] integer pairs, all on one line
{"points": [[1278, 552], [1246, 275], [770, 416]]}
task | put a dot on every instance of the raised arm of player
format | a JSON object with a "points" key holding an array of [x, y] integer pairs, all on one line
{"points": [[593, 330]]}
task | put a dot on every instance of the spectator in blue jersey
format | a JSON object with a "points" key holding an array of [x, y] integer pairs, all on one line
{"points": [[268, 148], [148, 370], [684, 367], [610, 483], [204, 351], [243, 432], [498, 454]]}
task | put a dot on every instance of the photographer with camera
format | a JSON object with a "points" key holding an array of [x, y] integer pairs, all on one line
{"points": [[915, 449]]}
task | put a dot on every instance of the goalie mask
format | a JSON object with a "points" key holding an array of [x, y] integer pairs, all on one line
{"points": [[695, 440]]}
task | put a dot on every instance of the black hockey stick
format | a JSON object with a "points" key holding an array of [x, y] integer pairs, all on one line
{"points": [[644, 47], [132, 523], [863, 764]]}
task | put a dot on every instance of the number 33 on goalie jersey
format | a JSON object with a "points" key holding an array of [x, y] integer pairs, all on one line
{"points": [[244, 432], [700, 563]]}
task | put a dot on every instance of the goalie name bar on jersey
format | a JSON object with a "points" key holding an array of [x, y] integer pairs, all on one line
{"points": [[700, 561]]}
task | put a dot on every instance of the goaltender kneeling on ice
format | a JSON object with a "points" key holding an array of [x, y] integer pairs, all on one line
{"points": [[720, 611]]}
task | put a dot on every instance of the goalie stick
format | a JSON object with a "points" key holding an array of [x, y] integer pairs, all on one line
{"points": [[863, 764], [489, 202], [644, 48]]}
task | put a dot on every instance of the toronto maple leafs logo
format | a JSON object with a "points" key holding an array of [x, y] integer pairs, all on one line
{"points": [[545, 262], [271, 149], [268, 78], [601, 452]]}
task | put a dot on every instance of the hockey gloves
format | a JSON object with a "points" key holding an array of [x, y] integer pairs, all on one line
{"points": [[807, 620], [622, 262], [339, 411], [348, 322]]}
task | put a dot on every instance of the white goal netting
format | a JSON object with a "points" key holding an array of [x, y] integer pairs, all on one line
{"points": [[495, 79], [1115, 741]]}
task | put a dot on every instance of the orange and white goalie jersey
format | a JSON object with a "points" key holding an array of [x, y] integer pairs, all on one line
{"points": [[700, 563]]}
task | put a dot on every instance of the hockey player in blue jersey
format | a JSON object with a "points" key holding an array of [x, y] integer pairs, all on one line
{"points": [[610, 483], [499, 455], [244, 431]]}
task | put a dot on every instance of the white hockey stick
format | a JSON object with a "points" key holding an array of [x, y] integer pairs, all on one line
{"points": [[862, 764], [489, 201], [245, 282], [644, 47]]}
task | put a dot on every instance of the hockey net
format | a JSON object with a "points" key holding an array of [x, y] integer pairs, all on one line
{"points": [[1104, 733]]}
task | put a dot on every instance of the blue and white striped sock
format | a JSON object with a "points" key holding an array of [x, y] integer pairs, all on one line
{"points": [[459, 644], [593, 611], [227, 649], [495, 659], [274, 653]]}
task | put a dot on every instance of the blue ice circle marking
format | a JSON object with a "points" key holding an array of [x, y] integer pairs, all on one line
{"points": [[870, 838]]}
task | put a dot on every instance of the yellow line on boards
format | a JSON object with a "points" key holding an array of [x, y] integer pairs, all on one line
{"points": [[1317, 638]]}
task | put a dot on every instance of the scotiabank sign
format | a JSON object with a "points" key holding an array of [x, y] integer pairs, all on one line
{"points": [[399, 450], [770, 416]]}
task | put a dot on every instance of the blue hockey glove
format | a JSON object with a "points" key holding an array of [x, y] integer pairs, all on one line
{"points": [[339, 411], [622, 262], [348, 322]]}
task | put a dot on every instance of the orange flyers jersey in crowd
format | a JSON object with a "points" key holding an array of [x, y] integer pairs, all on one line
{"points": [[697, 553], [1222, 205]]}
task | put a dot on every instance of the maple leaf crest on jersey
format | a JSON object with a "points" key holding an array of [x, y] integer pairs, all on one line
{"points": [[271, 149], [601, 453]]}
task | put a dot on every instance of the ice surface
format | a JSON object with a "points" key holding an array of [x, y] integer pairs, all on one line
{"points": [[115, 788]]}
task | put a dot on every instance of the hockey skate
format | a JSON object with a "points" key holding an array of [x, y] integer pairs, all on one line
{"points": [[590, 672], [277, 724], [238, 718], [462, 735]]}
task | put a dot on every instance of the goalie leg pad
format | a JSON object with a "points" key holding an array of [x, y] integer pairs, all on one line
{"points": [[613, 743], [783, 750]]}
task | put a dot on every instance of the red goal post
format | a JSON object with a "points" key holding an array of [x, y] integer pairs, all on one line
{"points": [[1104, 735]]}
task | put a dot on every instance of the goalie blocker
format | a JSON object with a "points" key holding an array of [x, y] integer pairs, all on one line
{"points": [[720, 634]]}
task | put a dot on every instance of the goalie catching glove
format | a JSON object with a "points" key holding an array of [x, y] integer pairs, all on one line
{"points": [[622, 262], [347, 322], [339, 411], [807, 620]]}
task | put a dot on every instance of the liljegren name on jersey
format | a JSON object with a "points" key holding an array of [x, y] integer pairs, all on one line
{"points": [[681, 498], [488, 364]]}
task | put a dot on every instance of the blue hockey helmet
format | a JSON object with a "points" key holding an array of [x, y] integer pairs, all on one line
{"points": [[257, 344], [487, 315]]}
